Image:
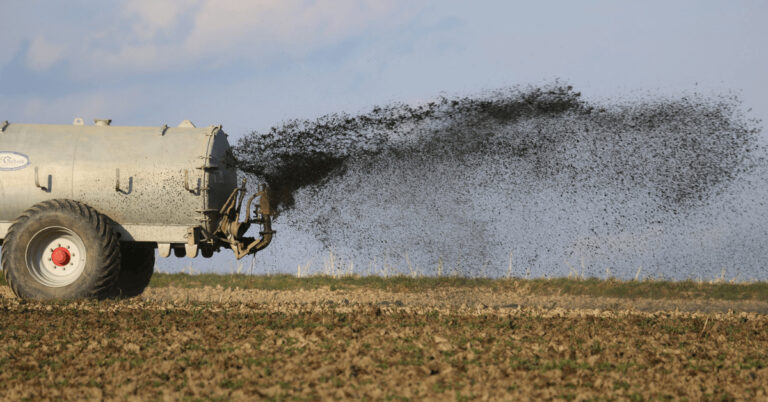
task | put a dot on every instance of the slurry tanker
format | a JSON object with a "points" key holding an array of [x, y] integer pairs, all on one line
{"points": [[83, 207]]}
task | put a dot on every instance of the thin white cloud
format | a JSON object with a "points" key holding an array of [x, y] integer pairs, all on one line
{"points": [[147, 36], [43, 53], [294, 26], [154, 17]]}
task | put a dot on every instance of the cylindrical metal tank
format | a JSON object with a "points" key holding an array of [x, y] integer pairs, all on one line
{"points": [[83, 207], [154, 182]]}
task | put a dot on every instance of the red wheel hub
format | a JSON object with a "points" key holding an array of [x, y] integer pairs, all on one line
{"points": [[61, 256]]}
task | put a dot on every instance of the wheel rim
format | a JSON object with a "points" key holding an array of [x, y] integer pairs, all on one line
{"points": [[55, 256]]}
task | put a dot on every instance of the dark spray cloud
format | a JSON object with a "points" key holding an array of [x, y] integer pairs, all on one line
{"points": [[538, 172]]}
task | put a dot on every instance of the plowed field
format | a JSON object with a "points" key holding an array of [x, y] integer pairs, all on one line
{"points": [[216, 343]]}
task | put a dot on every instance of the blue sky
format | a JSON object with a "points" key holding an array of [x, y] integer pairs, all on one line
{"points": [[251, 64]]}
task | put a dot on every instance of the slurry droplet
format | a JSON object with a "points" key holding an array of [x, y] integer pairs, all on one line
{"points": [[565, 185]]}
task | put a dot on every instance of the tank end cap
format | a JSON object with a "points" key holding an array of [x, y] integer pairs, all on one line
{"points": [[187, 124]]}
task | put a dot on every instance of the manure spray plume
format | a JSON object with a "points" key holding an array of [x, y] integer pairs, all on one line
{"points": [[562, 184]]}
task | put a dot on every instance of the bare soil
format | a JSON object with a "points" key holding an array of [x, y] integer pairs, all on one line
{"points": [[458, 299], [355, 343]]}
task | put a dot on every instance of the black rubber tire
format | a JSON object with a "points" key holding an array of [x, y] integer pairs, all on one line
{"points": [[180, 252], [137, 267], [102, 249]]}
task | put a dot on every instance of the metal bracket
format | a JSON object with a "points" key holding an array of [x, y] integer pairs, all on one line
{"points": [[186, 181], [193, 236], [205, 213], [164, 249], [117, 179], [191, 250], [3, 125], [207, 165], [213, 130], [37, 181], [163, 129]]}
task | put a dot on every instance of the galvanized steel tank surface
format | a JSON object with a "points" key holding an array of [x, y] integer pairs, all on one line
{"points": [[134, 175]]}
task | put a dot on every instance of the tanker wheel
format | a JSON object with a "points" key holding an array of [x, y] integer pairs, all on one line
{"points": [[136, 269], [61, 249]]}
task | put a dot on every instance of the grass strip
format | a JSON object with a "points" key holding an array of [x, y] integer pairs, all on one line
{"points": [[646, 289], [649, 289]]}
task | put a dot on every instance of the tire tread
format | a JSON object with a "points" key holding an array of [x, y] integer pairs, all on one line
{"points": [[107, 238]]}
